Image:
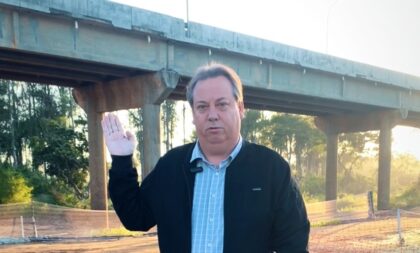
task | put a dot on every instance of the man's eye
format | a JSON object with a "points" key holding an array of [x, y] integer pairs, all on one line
{"points": [[223, 105], [201, 107]]}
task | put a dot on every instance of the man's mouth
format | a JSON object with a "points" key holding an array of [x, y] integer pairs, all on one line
{"points": [[214, 128]]}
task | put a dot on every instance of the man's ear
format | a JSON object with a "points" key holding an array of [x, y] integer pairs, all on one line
{"points": [[241, 109]]}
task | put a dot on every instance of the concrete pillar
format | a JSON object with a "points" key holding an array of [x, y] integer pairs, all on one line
{"points": [[151, 130], [329, 127], [97, 169], [384, 171], [331, 167], [146, 91]]}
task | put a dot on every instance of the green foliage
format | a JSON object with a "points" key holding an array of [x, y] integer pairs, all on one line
{"points": [[135, 118], [51, 190], [61, 151], [14, 188], [313, 187], [169, 118], [37, 130], [351, 202], [4, 116], [404, 171], [115, 232], [297, 139], [326, 223], [354, 183], [352, 147], [409, 198], [252, 125]]}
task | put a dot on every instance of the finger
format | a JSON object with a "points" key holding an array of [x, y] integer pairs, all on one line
{"points": [[104, 124], [117, 125], [109, 123]]}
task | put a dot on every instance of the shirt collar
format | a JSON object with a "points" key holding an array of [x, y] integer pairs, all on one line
{"points": [[198, 154]]}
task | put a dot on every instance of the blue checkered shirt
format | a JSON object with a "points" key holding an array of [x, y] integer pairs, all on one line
{"points": [[207, 212]]}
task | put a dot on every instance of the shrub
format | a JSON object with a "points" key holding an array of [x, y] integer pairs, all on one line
{"points": [[409, 198], [14, 188], [350, 202], [354, 183], [313, 186]]}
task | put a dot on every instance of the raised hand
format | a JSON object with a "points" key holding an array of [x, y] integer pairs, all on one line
{"points": [[118, 141]]}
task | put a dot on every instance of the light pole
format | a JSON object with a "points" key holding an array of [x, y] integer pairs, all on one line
{"points": [[327, 25]]}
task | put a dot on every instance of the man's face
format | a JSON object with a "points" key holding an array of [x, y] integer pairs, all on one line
{"points": [[216, 114]]}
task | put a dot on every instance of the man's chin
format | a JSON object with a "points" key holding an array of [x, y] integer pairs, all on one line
{"points": [[216, 140]]}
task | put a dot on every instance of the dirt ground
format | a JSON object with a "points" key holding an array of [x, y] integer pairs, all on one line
{"points": [[147, 244], [373, 236]]}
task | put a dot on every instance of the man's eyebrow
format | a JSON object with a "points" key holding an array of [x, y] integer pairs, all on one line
{"points": [[222, 98], [217, 100]]}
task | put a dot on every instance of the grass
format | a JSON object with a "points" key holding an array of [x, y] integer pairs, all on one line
{"points": [[115, 232], [412, 237], [326, 223]]}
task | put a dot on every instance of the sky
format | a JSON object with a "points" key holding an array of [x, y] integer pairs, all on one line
{"points": [[383, 33]]}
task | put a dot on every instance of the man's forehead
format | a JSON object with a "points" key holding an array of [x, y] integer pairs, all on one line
{"points": [[204, 100]]}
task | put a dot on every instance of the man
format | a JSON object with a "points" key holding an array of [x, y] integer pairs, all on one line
{"points": [[219, 194]]}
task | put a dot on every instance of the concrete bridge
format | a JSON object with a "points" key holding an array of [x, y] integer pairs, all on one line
{"points": [[119, 57]]}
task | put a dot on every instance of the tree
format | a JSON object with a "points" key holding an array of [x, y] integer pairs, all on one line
{"points": [[5, 136], [309, 144], [169, 118], [351, 148], [295, 137], [252, 125], [37, 121], [136, 119], [61, 151]]}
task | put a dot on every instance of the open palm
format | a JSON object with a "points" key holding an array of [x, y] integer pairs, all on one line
{"points": [[118, 141]]}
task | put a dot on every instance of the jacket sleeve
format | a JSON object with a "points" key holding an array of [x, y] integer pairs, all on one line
{"points": [[131, 201], [290, 233]]}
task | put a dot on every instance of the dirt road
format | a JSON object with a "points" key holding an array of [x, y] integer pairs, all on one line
{"points": [[146, 244]]}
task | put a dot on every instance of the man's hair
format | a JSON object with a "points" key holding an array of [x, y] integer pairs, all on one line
{"points": [[215, 70]]}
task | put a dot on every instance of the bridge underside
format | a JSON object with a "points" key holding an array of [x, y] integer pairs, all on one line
{"points": [[118, 57], [81, 75], [47, 69]]}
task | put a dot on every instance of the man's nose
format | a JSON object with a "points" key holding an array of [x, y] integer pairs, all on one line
{"points": [[213, 114]]}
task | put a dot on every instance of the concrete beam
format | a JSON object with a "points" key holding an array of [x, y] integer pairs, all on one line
{"points": [[409, 123], [357, 122], [129, 93]]}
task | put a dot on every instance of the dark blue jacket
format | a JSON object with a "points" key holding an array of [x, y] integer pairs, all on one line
{"points": [[272, 219]]}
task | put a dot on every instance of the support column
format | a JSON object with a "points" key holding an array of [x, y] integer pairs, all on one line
{"points": [[146, 91], [384, 171], [151, 130], [329, 127], [97, 169], [331, 167]]}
